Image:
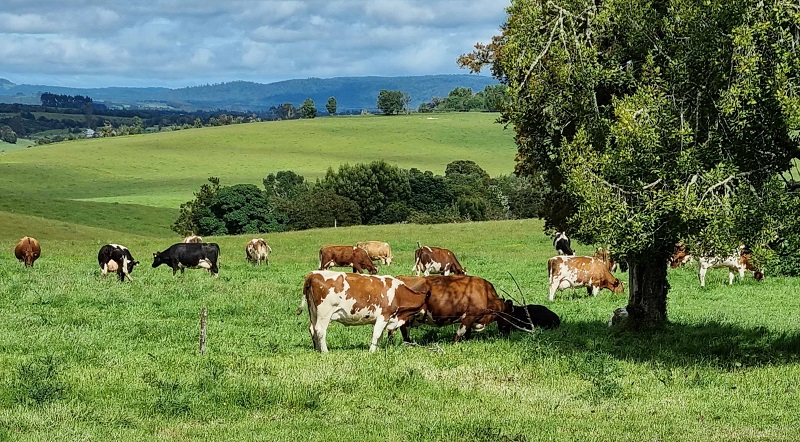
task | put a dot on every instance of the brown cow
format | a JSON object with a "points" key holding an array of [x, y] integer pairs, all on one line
{"points": [[429, 260], [680, 256], [258, 250], [604, 255], [580, 271], [346, 256], [468, 300], [192, 239], [377, 250], [27, 250], [356, 299]]}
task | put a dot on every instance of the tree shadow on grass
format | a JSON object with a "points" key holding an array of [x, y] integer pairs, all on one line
{"points": [[677, 344]]}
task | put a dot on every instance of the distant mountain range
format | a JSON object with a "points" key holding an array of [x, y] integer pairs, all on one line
{"points": [[351, 93]]}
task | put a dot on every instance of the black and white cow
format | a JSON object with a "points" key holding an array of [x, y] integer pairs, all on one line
{"points": [[562, 244], [189, 255], [116, 258]]}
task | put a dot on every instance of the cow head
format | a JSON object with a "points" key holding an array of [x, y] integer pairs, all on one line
{"points": [[158, 259], [678, 255], [503, 318], [29, 256], [131, 265], [617, 287]]}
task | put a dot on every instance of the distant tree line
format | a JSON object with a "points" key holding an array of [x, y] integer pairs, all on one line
{"points": [[374, 193], [20, 121], [69, 101]]}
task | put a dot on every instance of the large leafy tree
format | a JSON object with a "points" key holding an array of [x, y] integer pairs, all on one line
{"points": [[372, 186], [392, 102], [330, 106], [308, 109], [653, 121]]}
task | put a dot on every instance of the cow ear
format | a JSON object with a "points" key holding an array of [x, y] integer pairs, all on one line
{"points": [[155, 254]]}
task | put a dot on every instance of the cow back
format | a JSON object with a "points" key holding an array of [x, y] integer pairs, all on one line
{"points": [[452, 297]]}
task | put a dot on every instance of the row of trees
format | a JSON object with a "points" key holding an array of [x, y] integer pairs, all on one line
{"points": [[374, 193]]}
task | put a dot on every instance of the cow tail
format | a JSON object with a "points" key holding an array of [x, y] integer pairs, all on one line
{"points": [[304, 300], [320, 260], [550, 267]]}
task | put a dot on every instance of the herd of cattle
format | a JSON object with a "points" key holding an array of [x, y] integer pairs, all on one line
{"points": [[392, 302]]}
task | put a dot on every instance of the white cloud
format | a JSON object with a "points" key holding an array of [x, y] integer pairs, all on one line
{"points": [[186, 42]]}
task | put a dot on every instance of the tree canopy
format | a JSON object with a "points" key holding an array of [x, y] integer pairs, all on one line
{"points": [[652, 121]]}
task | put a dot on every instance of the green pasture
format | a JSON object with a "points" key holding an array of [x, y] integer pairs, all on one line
{"points": [[82, 358], [136, 183]]}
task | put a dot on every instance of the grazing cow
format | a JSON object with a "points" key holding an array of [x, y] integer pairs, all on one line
{"points": [[27, 250], [346, 256], [562, 244], [740, 261], [580, 271], [192, 239], [116, 258], [377, 250], [189, 255], [356, 299], [605, 256], [680, 256], [258, 250], [527, 317], [429, 260], [468, 300]]}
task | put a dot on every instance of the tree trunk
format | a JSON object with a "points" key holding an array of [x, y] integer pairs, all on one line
{"points": [[648, 287]]}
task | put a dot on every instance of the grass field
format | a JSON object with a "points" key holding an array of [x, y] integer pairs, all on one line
{"points": [[90, 359], [82, 358], [137, 183]]}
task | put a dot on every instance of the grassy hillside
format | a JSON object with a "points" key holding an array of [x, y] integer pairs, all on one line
{"points": [[136, 184], [90, 359]]}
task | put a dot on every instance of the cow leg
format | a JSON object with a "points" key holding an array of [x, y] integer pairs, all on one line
{"points": [[553, 287], [320, 329], [104, 270], [377, 331], [465, 330], [404, 330], [731, 276], [594, 290]]}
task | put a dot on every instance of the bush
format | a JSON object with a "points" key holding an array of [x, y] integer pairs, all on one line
{"points": [[244, 208]]}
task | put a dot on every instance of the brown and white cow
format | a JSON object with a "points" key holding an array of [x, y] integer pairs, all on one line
{"points": [[27, 250], [258, 251], [377, 250], [738, 262], [469, 301], [346, 256], [356, 299], [192, 239], [580, 271], [429, 260]]}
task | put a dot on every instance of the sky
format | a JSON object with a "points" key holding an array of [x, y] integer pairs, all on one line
{"points": [[179, 43]]}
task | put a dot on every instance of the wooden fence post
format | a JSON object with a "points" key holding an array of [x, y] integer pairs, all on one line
{"points": [[203, 319]]}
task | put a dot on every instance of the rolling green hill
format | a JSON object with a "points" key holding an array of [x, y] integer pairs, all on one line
{"points": [[136, 183]]}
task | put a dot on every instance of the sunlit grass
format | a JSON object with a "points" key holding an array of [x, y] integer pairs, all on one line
{"points": [[120, 361]]}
